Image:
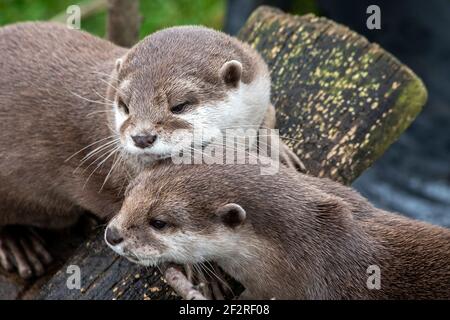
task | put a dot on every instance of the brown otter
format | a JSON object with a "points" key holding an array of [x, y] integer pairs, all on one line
{"points": [[284, 236], [81, 115]]}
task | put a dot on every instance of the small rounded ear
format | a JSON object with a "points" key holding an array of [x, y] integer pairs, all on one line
{"points": [[118, 64], [231, 214], [231, 73]]}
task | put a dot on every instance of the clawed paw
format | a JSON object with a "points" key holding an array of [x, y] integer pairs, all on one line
{"points": [[209, 280], [290, 159], [22, 249]]}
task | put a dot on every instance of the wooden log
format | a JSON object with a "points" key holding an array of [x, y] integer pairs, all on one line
{"points": [[123, 22], [106, 276], [341, 101], [344, 100]]}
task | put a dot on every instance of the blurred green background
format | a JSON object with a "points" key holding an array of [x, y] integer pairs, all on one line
{"points": [[156, 14]]}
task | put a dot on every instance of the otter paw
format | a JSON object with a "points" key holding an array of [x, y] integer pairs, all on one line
{"points": [[23, 250], [210, 281], [290, 159]]}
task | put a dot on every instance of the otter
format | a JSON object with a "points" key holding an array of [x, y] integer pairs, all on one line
{"points": [[283, 236], [81, 116]]}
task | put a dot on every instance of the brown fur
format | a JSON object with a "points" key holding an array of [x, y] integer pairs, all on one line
{"points": [[44, 68], [303, 237], [47, 69], [58, 90]]}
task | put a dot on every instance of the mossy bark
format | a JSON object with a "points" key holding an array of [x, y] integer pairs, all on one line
{"points": [[341, 101]]}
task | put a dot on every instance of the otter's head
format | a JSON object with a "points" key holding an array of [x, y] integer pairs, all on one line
{"points": [[182, 87], [163, 220]]}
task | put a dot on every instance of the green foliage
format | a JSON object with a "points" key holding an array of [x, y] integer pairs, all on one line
{"points": [[156, 14], [162, 13], [23, 10]]}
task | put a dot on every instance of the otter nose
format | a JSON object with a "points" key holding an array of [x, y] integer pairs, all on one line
{"points": [[113, 236], [144, 141]]}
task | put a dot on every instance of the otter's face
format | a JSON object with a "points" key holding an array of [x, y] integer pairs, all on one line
{"points": [[157, 113], [153, 228]]}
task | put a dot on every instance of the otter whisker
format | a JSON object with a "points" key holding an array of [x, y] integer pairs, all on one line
{"points": [[101, 154], [280, 136], [109, 84], [141, 261], [260, 135], [104, 98], [100, 164], [105, 74], [202, 282], [98, 153], [247, 153], [99, 112], [110, 171], [95, 151], [125, 180], [226, 148], [90, 145], [89, 100], [216, 276]]}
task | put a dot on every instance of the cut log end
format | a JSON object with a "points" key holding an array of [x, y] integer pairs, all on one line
{"points": [[341, 101]]}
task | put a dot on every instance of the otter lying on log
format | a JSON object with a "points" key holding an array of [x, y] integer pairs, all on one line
{"points": [[283, 236]]}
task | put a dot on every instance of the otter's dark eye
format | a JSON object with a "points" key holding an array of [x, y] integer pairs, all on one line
{"points": [[123, 106], [158, 224], [179, 108]]}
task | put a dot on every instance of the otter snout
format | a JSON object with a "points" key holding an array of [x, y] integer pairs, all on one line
{"points": [[113, 236], [144, 141]]}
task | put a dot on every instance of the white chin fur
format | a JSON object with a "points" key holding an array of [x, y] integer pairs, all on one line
{"points": [[244, 108], [158, 151], [119, 117], [146, 262]]}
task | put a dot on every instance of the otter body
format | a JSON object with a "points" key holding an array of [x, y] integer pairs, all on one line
{"points": [[48, 75], [286, 236], [81, 115]]}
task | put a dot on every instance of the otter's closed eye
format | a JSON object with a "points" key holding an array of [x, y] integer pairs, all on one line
{"points": [[123, 106], [179, 108], [158, 224]]}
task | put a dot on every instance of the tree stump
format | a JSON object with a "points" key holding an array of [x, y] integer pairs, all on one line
{"points": [[340, 100]]}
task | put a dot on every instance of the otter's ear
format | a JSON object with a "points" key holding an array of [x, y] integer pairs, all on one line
{"points": [[231, 73], [231, 214], [118, 64]]}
